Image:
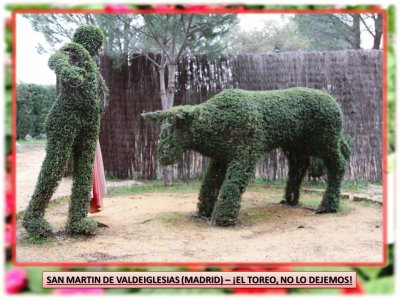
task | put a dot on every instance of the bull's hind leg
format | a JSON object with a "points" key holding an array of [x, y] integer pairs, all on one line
{"points": [[336, 166], [213, 179], [298, 164], [237, 177]]}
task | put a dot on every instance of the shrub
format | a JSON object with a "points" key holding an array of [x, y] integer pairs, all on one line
{"points": [[33, 104]]}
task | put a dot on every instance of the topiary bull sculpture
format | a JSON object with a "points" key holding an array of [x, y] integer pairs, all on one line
{"points": [[236, 127]]}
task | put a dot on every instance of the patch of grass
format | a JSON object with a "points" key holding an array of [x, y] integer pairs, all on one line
{"points": [[264, 188], [281, 183], [33, 144], [155, 187], [259, 184], [111, 177], [263, 181], [354, 186], [171, 218], [344, 206], [174, 218], [370, 204], [192, 186], [29, 240], [346, 185], [253, 215]]}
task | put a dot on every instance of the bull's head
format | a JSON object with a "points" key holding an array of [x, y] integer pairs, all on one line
{"points": [[174, 137]]}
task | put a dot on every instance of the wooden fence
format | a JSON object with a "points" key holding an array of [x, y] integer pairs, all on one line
{"points": [[354, 78]]}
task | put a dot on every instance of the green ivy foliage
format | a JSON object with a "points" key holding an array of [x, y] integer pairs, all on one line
{"points": [[90, 37], [72, 127], [316, 169], [236, 127], [33, 104]]}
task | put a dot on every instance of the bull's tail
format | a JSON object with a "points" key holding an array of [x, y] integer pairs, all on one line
{"points": [[345, 147]]}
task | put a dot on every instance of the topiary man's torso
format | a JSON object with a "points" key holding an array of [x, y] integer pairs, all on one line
{"points": [[236, 127]]}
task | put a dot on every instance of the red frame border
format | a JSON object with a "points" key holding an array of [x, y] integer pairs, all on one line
{"points": [[202, 11]]}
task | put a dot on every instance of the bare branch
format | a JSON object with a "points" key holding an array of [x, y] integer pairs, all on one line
{"points": [[153, 36], [367, 27], [184, 43], [149, 35], [149, 58], [197, 28], [134, 27]]}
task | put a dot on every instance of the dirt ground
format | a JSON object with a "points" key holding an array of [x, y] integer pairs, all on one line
{"points": [[160, 227], [29, 162]]}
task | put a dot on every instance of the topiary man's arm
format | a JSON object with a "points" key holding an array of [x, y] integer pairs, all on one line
{"points": [[68, 73]]}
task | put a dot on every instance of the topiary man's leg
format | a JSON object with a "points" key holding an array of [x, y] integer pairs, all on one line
{"points": [[298, 165], [237, 177], [336, 166], [58, 149], [213, 179], [84, 153]]}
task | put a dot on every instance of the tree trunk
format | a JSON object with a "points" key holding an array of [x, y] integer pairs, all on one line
{"points": [[378, 31], [171, 84], [356, 32], [167, 101], [168, 175], [163, 93], [126, 39]]}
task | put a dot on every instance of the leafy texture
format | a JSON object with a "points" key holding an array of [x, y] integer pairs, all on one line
{"points": [[33, 104], [236, 127], [72, 126]]}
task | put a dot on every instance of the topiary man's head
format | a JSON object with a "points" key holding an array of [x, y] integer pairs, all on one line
{"points": [[90, 37]]}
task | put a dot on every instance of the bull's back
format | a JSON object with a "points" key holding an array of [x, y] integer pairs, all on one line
{"points": [[229, 119], [296, 109], [300, 115], [267, 119]]}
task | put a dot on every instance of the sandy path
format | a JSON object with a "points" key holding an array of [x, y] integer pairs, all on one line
{"points": [[28, 166], [29, 162], [158, 227]]}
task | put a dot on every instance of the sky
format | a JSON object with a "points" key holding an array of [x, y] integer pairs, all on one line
{"points": [[32, 67]]}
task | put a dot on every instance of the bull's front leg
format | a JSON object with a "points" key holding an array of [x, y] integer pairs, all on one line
{"points": [[213, 179], [237, 177]]}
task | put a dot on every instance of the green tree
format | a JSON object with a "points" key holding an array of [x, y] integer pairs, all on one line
{"points": [[33, 104], [339, 31], [272, 37], [59, 28], [330, 31], [56, 28]]}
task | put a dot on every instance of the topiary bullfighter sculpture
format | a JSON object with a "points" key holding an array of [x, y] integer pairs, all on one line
{"points": [[72, 127], [236, 127]]}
